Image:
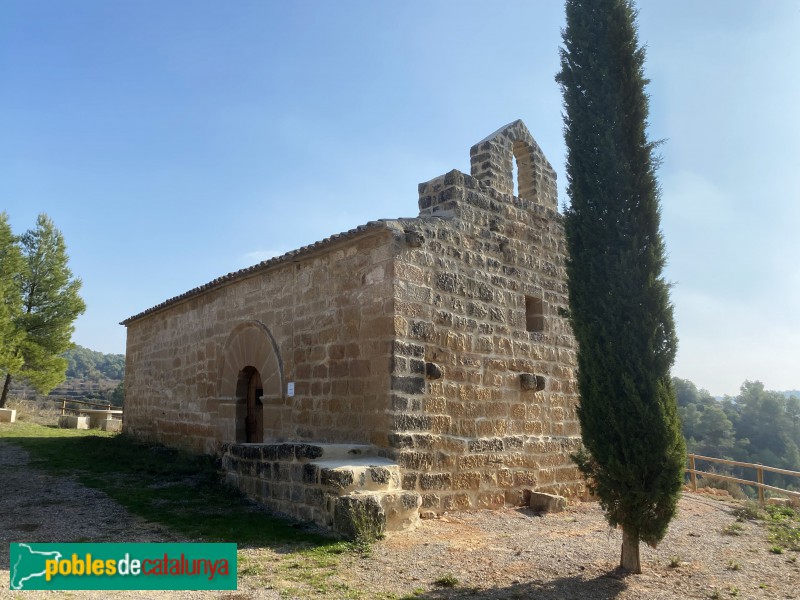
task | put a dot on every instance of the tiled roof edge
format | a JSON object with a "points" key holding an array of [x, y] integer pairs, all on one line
{"points": [[382, 224]]}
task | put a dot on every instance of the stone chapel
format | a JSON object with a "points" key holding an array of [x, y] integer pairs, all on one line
{"points": [[406, 367]]}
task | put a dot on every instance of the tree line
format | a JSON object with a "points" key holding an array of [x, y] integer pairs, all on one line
{"points": [[39, 303], [90, 365], [83, 363], [755, 426]]}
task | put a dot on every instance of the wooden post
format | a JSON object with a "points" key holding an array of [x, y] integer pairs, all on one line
{"points": [[760, 477], [63, 407], [692, 474]]}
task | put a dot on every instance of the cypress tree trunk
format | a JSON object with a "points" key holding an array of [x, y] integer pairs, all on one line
{"points": [[629, 556]]}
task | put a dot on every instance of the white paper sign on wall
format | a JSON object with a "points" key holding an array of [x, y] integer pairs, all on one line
{"points": [[290, 389]]}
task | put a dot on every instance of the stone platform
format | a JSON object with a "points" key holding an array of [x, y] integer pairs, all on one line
{"points": [[344, 487], [73, 422]]}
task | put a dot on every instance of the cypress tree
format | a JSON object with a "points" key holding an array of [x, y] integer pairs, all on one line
{"points": [[50, 305], [620, 310]]}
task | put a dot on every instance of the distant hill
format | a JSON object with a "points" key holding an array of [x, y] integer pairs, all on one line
{"points": [[91, 376], [94, 366]]}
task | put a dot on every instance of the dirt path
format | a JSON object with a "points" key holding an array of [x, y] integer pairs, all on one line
{"points": [[503, 554], [37, 507]]}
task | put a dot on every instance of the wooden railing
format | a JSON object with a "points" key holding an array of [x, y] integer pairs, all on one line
{"points": [[758, 483], [100, 405]]}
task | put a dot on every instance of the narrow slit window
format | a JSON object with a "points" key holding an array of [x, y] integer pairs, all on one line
{"points": [[514, 176], [523, 171], [534, 314]]}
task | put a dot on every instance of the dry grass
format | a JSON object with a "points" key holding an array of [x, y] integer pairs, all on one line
{"points": [[42, 412]]}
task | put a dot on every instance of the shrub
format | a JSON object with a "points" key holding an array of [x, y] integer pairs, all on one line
{"points": [[449, 580], [749, 510], [733, 529], [733, 488]]}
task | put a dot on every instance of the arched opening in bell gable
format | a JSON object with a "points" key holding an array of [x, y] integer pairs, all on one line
{"points": [[522, 170]]}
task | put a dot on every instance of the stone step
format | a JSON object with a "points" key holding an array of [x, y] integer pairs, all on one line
{"points": [[344, 486], [367, 515], [300, 451], [344, 451], [364, 474]]}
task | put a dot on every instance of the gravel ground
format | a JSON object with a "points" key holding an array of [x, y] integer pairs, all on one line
{"points": [[36, 507], [512, 553], [515, 553]]}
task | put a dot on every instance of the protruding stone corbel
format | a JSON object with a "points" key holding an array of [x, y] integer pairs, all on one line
{"points": [[531, 382], [414, 239]]}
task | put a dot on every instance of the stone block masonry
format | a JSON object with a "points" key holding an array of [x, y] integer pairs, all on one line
{"points": [[346, 488], [73, 422], [439, 342], [502, 415], [322, 322]]}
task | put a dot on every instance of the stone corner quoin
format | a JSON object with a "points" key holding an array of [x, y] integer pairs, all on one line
{"points": [[423, 364]]}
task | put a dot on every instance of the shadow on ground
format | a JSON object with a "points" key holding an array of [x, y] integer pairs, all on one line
{"points": [[45, 474], [600, 588]]}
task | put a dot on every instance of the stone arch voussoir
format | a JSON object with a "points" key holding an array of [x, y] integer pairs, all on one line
{"points": [[251, 344]]}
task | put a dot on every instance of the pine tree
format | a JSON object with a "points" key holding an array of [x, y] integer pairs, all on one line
{"points": [[50, 305], [620, 310], [10, 299]]}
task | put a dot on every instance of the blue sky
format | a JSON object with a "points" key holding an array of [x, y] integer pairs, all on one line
{"points": [[173, 142]]}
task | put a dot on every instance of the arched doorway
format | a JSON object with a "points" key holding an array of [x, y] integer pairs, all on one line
{"points": [[250, 389], [250, 358]]}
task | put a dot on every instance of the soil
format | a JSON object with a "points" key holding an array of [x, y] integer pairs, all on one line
{"points": [[512, 553]]}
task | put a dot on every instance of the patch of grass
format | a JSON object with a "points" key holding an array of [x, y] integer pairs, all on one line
{"points": [[733, 565], [776, 550], [363, 548], [750, 510], [184, 493], [783, 524], [249, 566], [733, 529], [675, 562], [447, 580], [313, 571], [163, 485]]}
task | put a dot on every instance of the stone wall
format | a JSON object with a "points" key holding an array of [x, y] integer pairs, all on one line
{"points": [[321, 319], [343, 487], [484, 394]]}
